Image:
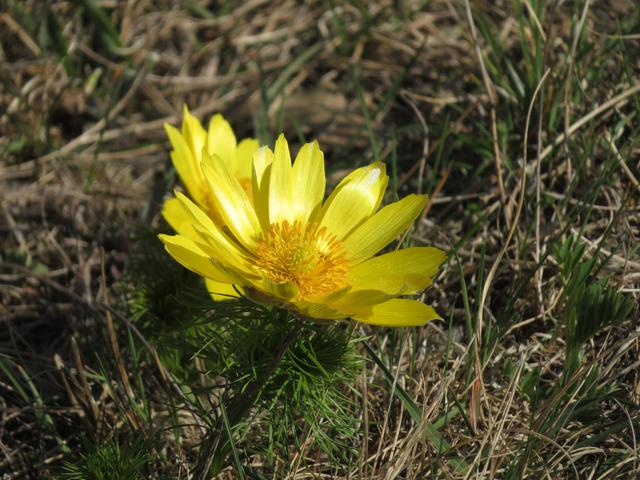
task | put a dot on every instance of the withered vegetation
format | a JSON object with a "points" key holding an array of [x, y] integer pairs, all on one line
{"points": [[519, 118]]}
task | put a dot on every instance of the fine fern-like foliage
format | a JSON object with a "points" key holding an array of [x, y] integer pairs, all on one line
{"points": [[220, 350], [113, 460], [599, 306], [308, 396], [591, 304]]}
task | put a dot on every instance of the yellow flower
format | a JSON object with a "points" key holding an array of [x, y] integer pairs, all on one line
{"points": [[281, 244], [186, 156]]}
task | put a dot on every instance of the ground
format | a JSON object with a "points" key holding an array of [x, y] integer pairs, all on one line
{"points": [[519, 119]]}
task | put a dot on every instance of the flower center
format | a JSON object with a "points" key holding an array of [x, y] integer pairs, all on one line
{"points": [[310, 257]]}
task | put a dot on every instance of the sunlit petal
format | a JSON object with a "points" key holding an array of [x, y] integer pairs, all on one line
{"points": [[232, 202], [355, 199], [188, 253], [261, 172], [355, 301], [403, 271], [281, 183], [211, 239], [184, 163], [194, 134], [178, 217], [244, 156], [220, 291], [399, 312], [308, 181], [221, 141], [382, 228]]}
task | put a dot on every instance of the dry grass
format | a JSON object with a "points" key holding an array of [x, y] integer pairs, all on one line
{"points": [[515, 161]]}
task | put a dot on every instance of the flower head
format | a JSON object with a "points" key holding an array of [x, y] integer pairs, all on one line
{"points": [[278, 242]]}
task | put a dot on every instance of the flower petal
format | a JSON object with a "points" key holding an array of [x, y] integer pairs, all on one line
{"points": [[381, 229], [261, 171], [319, 311], [178, 217], [197, 216], [221, 141], [231, 201], [210, 238], [356, 301], [186, 252], [184, 162], [194, 134], [400, 272], [399, 312], [341, 303], [284, 291], [308, 181], [280, 183], [240, 276], [244, 155], [220, 291], [175, 214], [355, 199]]}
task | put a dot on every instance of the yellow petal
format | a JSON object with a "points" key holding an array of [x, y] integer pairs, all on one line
{"points": [[308, 181], [319, 311], [211, 239], [341, 304], [400, 272], [284, 291], [179, 218], [355, 199], [184, 162], [194, 134], [232, 202], [196, 215], [399, 312], [221, 141], [175, 214], [381, 229], [280, 183], [186, 252], [356, 301], [244, 155], [220, 291], [261, 171], [331, 297], [241, 276]]}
